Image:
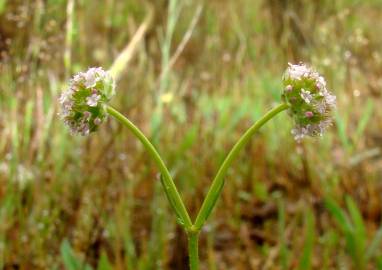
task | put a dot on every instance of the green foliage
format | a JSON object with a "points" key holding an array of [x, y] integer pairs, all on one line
{"points": [[2, 6], [70, 260], [352, 226], [53, 186], [284, 252], [104, 263], [307, 252]]}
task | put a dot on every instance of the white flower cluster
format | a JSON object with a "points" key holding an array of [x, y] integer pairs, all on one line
{"points": [[311, 103], [83, 103]]}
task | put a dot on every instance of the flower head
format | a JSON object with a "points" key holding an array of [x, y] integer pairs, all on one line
{"points": [[83, 102], [311, 103]]}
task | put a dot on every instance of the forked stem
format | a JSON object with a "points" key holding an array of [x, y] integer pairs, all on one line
{"points": [[168, 183], [214, 192]]}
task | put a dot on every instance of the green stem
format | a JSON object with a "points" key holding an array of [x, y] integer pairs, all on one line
{"points": [[218, 182], [193, 251], [167, 181]]}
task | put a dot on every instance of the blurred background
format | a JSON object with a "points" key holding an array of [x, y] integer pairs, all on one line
{"points": [[193, 75]]}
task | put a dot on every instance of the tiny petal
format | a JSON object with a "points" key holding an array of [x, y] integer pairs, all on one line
{"points": [[97, 121], [85, 130], [309, 114], [306, 96], [92, 101], [90, 78], [87, 115], [330, 99], [288, 88], [296, 72]]}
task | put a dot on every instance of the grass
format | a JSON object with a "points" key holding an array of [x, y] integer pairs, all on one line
{"points": [[96, 202]]}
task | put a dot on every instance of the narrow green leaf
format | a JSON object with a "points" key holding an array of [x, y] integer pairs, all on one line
{"points": [[103, 263], [69, 259], [3, 3], [281, 227], [356, 217], [306, 257], [339, 215], [341, 122], [212, 201], [172, 203], [375, 245], [365, 118], [70, 262], [359, 232], [379, 263]]}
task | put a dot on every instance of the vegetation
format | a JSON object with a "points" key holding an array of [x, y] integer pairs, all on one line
{"points": [[193, 75]]}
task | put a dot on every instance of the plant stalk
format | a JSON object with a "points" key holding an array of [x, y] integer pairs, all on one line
{"points": [[218, 182], [168, 183], [193, 250]]}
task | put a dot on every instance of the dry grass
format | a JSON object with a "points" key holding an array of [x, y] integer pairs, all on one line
{"points": [[101, 193]]}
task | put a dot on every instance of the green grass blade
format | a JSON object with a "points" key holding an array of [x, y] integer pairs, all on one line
{"points": [[103, 263], [69, 259], [356, 217], [339, 215], [306, 257], [359, 233], [341, 123], [281, 228], [375, 245], [3, 3], [365, 118]]}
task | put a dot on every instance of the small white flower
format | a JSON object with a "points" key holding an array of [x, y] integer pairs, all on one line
{"points": [[78, 78], [85, 130], [321, 83], [306, 96], [296, 72], [299, 133], [330, 99], [92, 101], [90, 78], [65, 96], [320, 107]]}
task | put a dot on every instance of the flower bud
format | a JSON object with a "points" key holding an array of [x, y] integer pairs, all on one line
{"points": [[311, 103], [83, 102]]}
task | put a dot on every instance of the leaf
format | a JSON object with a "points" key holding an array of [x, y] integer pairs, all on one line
{"points": [[69, 259], [3, 3], [374, 245], [359, 233], [281, 227], [365, 118], [354, 230], [355, 216], [306, 257], [341, 123], [339, 215], [103, 263], [379, 263], [357, 219], [172, 203], [212, 201]]}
